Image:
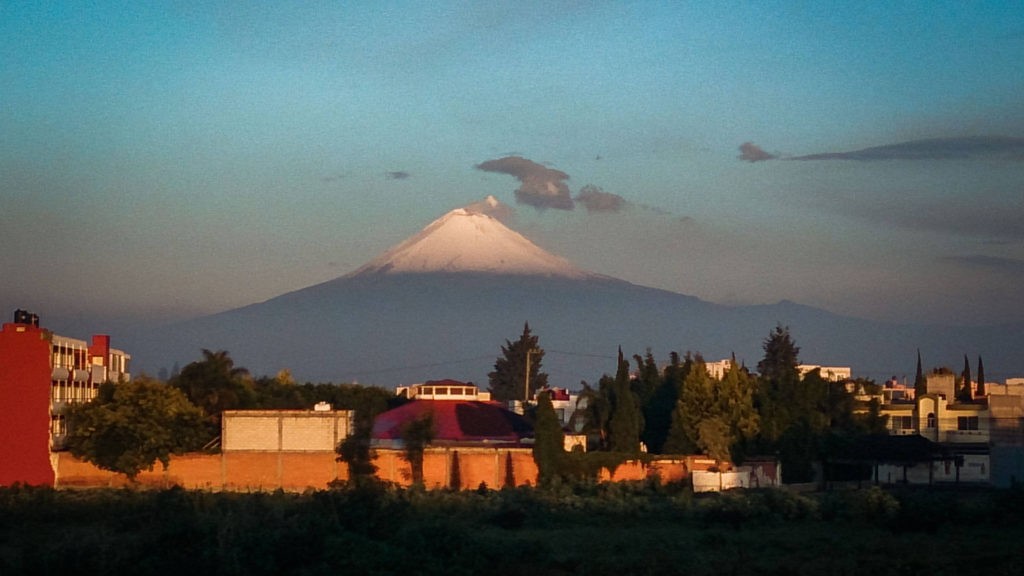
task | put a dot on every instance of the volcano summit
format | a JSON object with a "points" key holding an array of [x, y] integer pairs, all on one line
{"points": [[442, 303], [467, 240]]}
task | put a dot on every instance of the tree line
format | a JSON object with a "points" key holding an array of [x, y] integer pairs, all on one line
{"points": [[674, 408], [679, 408]]}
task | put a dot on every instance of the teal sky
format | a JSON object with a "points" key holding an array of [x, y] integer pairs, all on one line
{"points": [[165, 159]]}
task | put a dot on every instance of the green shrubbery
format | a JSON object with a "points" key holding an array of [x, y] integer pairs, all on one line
{"points": [[586, 527]]}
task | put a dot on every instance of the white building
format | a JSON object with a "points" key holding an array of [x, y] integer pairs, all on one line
{"points": [[829, 373]]}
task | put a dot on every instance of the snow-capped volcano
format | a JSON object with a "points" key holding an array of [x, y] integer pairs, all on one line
{"points": [[469, 239]]}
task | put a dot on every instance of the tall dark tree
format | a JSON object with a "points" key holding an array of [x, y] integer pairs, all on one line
{"points": [[920, 388], [416, 436], [356, 452], [734, 402], [658, 410], [626, 421], [510, 474], [677, 441], [981, 377], [697, 401], [549, 441], [964, 394], [455, 474], [593, 410], [777, 384], [214, 384], [781, 357], [648, 378], [517, 372]]}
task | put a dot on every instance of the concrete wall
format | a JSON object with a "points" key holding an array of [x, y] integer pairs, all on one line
{"points": [[284, 430]]}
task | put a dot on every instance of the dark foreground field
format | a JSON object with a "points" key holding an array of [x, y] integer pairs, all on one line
{"points": [[594, 529]]}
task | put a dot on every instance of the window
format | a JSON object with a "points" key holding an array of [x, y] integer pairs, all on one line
{"points": [[967, 423], [931, 420], [902, 422]]}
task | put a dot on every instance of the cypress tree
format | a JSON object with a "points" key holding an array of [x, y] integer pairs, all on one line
{"points": [[520, 361], [919, 382], [965, 387], [549, 441], [625, 419], [981, 377], [455, 475], [510, 475], [416, 436]]}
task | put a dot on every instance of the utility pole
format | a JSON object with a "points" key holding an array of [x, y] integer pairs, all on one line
{"points": [[526, 386]]}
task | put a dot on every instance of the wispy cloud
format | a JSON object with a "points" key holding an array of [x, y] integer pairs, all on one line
{"points": [[967, 147], [594, 199], [1007, 266], [540, 186], [751, 152]]}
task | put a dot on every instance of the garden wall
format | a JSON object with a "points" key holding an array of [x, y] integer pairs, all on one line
{"points": [[298, 471]]}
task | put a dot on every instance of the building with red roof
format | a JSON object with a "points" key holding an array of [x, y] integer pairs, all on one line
{"points": [[458, 418]]}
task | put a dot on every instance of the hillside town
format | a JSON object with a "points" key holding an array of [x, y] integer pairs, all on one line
{"points": [[789, 423]]}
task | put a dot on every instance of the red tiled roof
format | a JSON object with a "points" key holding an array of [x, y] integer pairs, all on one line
{"points": [[455, 421]]}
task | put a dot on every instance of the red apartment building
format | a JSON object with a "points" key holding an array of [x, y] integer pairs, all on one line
{"points": [[41, 374]]}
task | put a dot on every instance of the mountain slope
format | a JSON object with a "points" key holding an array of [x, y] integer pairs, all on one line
{"points": [[426, 310]]}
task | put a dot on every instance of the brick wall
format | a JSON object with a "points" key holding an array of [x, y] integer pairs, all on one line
{"points": [[298, 471]]}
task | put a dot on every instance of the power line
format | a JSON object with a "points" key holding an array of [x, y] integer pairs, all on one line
{"points": [[583, 354], [418, 366]]}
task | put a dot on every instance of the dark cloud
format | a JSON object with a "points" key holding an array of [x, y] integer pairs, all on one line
{"points": [[1008, 266], [334, 177], [595, 199], [968, 147], [540, 186], [753, 153], [397, 175]]}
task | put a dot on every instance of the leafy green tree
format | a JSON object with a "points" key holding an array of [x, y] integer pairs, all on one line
{"points": [[625, 422], [715, 438], [697, 400], [520, 361], [734, 403], [549, 441], [130, 426], [416, 435], [716, 416]]}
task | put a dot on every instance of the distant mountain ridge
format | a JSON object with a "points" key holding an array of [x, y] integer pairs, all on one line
{"points": [[442, 303]]}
